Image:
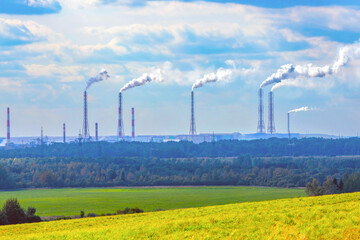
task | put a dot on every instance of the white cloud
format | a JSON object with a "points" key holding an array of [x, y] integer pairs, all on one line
{"points": [[26, 31]]}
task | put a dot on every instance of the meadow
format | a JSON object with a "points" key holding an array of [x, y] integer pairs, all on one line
{"points": [[324, 217], [70, 201]]}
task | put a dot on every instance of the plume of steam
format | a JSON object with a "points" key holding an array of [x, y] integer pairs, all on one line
{"points": [[221, 74], [155, 76], [290, 71], [102, 75], [302, 109]]}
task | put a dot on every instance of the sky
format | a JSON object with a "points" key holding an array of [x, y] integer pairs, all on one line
{"points": [[50, 48]]}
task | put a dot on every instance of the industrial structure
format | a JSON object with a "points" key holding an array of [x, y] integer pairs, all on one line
{"points": [[96, 132], [120, 123], [85, 132], [64, 133], [132, 123], [42, 136], [8, 127], [288, 124], [192, 131], [271, 125], [261, 125]]}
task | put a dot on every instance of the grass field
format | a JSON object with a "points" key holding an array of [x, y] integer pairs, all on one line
{"points": [[70, 201], [325, 217]]}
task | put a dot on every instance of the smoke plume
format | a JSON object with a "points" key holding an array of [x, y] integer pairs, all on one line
{"points": [[220, 75], [302, 109], [290, 71], [102, 75], [155, 76]]}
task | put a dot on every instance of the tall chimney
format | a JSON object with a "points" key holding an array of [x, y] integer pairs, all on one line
{"points": [[96, 132], [288, 122], [192, 121], [8, 127], [120, 123], [86, 132], [133, 123], [261, 125], [64, 133], [42, 136], [271, 126]]}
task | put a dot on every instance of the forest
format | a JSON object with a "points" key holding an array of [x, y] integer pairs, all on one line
{"points": [[140, 171], [272, 162], [185, 149]]}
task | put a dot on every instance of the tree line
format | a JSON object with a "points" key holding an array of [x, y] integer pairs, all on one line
{"points": [[185, 149], [144, 171], [348, 183]]}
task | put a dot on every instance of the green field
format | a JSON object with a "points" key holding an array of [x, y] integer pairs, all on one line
{"points": [[70, 201], [324, 217]]}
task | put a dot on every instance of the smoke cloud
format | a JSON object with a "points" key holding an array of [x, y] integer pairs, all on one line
{"points": [[220, 75], [155, 76], [102, 75], [302, 109], [290, 71]]}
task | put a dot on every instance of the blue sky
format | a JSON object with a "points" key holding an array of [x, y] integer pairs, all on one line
{"points": [[49, 48]]}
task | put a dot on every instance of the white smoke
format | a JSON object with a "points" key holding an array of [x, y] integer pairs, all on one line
{"points": [[290, 71], [302, 109], [102, 75], [221, 74], [155, 76]]}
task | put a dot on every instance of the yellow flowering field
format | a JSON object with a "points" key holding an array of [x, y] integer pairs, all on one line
{"points": [[325, 217]]}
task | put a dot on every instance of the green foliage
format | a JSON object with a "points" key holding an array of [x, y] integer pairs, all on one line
{"points": [[139, 171], [14, 213], [184, 149], [129, 211], [6, 182], [313, 188], [331, 186], [3, 219]]}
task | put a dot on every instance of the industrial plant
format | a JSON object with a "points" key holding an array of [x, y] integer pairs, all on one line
{"points": [[276, 80]]}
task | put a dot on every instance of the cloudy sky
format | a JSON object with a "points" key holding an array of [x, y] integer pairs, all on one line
{"points": [[49, 48]]}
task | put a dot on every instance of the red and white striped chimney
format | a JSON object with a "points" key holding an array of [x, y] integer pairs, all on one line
{"points": [[8, 126], [133, 123]]}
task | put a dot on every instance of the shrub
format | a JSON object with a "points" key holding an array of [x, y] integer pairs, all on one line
{"points": [[30, 215], [82, 214], [129, 210], [14, 213], [3, 218]]}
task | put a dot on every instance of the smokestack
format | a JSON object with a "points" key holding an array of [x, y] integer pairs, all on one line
{"points": [[271, 126], [64, 133], [288, 122], [8, 127], [42, 136], [86, 132], [133, 123], [261, 125], [120, 123], [192, 121], [96, 132]]}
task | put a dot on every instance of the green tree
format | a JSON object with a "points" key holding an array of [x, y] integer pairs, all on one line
{"points": [[3, 218], [313, 188], [329, 186], [14, 213]]}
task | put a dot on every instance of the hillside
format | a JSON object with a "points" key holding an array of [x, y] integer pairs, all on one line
{"points": [[325, 217], [70, 201]]}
